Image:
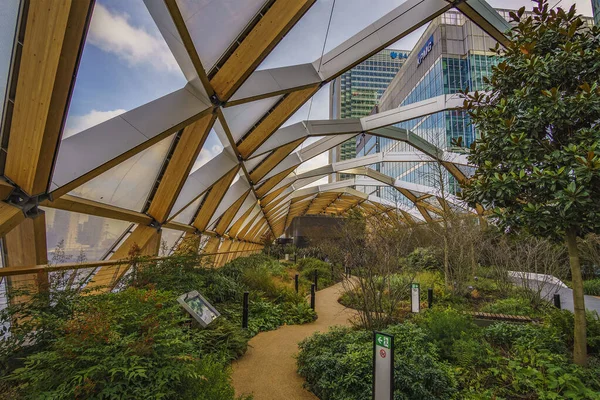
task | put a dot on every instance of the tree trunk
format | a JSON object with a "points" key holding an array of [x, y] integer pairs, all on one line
{"points": [[580, 341]]}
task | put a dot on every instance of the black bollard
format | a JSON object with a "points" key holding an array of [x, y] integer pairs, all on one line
{"points": [[316, 279], [245, 311], [296, 282], [557, 300], [429, 297], [312, 296]]}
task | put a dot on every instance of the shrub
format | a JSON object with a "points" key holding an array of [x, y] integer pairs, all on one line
{"points": [[126, 345], [532, 373], [338, 365], [563, 321], [445, 326], [510, 306], [424, 258], [537, 337], [591, 287], [308, 266]]}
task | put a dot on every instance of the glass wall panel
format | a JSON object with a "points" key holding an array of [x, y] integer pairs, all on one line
{"points": [[9, 12], [168, 239], [77, 234]]}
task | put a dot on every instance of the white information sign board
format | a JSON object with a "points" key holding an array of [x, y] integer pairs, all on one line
{"points": [[415, 298]]}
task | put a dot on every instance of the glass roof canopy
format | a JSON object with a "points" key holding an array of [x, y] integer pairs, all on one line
{"points": [[222, 154]]}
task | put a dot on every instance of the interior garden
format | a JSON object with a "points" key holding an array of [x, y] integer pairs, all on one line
{"points": [[137, 342]]}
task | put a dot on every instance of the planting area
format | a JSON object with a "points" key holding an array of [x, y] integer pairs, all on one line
{"points": [[137, 342]]}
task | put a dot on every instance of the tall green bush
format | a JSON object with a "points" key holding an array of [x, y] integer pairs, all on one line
{"points": [[126, 345], [338, 365]]}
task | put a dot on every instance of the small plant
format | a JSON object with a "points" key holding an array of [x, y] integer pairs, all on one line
{"points": [[510, 306], [591, 287]]}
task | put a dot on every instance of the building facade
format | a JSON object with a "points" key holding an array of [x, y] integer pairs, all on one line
{"points": [[354, 93], [451, 55]]}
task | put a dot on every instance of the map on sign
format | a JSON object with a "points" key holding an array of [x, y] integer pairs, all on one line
{"points": [[383, 341], [198, 307]]}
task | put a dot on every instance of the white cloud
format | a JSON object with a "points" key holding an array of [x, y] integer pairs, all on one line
{"points": [[76, 124], [206, 154], [112, 32]]}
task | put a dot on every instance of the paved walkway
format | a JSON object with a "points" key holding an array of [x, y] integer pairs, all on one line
{"points": [[592, 303], [268, 369]]}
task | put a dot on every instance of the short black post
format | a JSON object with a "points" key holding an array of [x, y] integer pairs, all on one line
{"points": [[429, 297], [557, 300], [296, 282], [245, 311], [316, 279], [312, 296]]}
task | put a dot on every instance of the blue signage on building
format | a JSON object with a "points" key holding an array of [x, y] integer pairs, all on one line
{"points": [[425, 50], [395, 54]]}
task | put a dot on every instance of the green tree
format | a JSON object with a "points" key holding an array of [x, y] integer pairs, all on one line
{"points": [[538, 157]]}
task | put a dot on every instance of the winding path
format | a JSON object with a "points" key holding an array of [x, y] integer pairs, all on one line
{"points": [[268, 369]]}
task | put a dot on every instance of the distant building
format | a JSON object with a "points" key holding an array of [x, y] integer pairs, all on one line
{"points": [[354, 93], [451, 55]]}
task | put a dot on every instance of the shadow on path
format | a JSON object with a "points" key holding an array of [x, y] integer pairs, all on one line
{"points": [[268, 369]]}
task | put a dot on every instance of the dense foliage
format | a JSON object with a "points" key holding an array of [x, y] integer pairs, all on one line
{"points": [[538, 160], [338, 365], [138, 342], [442, 354]]}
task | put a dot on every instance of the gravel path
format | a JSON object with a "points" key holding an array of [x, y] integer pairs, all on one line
{"points": [[268, 369]]}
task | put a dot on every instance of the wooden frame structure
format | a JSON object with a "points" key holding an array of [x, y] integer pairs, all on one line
{"points": [[250, 188]]}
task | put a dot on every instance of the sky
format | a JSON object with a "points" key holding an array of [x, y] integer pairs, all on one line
{"points": [[126, 63]]}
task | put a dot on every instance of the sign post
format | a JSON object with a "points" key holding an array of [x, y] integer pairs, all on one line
{"points": [[415, 298], [383, 366]]}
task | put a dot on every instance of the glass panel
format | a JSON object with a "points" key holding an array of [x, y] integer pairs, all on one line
{"points": [[169, 238], [351, 16], [241, 118], [212, 147], [128, 184], [79, 234], [8, 24], [215, 24], [317, 107], [125, 63]]}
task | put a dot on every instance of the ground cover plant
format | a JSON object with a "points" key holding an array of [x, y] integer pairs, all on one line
{"points": [[138, 342]]}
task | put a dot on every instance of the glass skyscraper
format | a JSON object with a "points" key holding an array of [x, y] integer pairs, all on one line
{"points": [[357, 91], [452, 54]]}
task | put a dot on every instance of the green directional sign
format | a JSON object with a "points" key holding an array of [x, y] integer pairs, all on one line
{"points": [[383, 340], [383, 366]]}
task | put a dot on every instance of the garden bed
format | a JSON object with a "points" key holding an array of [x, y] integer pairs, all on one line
{"points": [[138, 342]]}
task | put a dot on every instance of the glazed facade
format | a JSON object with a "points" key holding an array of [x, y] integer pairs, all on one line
{"points": [[357, 91], [451, 55]]}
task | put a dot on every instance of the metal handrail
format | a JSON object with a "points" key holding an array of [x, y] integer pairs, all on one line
{"points": [[33, 269]]}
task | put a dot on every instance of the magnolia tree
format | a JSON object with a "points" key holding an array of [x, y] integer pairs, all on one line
{"points": [[539, 154]]}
